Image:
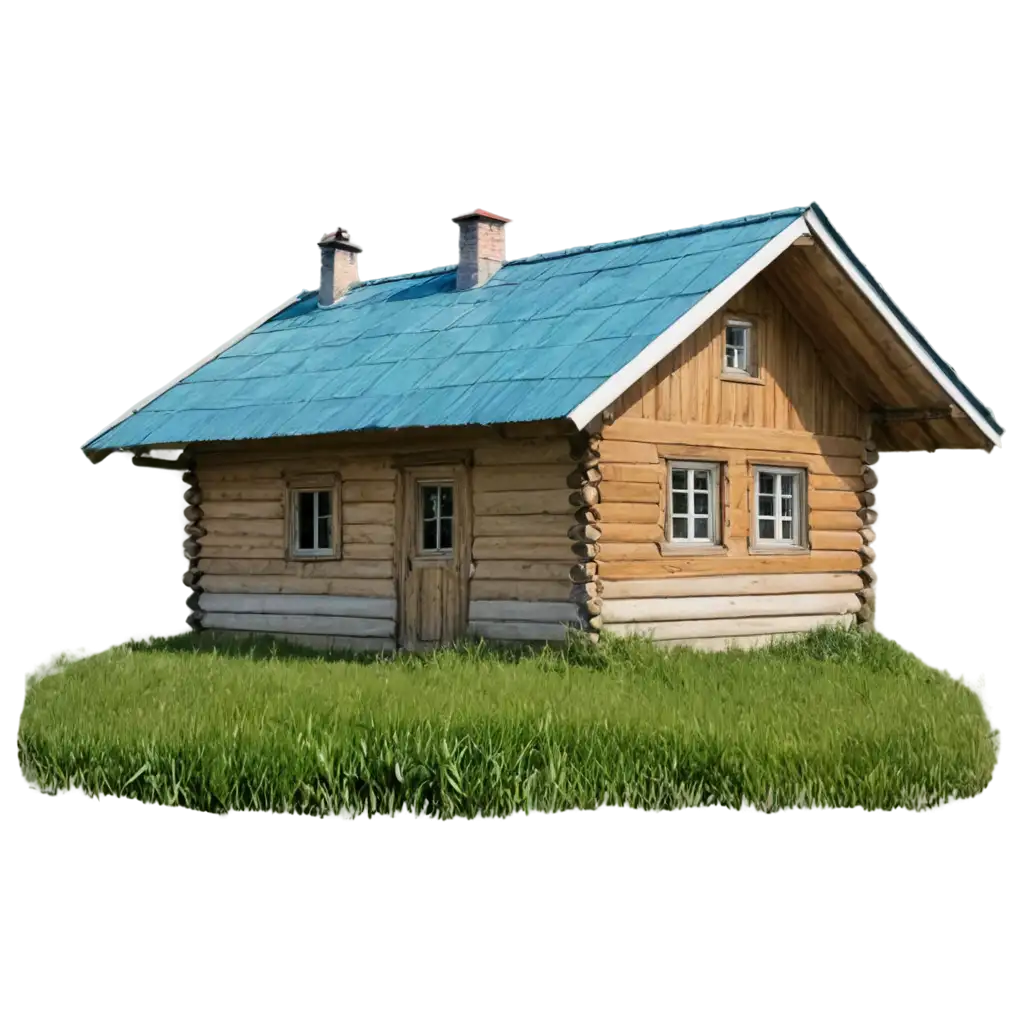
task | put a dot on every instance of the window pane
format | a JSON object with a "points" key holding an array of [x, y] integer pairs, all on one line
{"points": [[679, 529], [787, 485], [700, 480], [766, 529], [787, 507], [324, 532], [765, 506], [429, 502], [679, 503], [765, 483], [446, 533], [304, 512], [679, 479], [430, 534], [700, 529], [447, 499], [787, 529]]}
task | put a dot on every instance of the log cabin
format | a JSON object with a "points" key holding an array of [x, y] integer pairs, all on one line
{"points": [[673, 435]]}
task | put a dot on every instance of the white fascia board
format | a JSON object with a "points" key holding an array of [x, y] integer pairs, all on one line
{"points": [[97, 456], [682, 328], [823, 235]]}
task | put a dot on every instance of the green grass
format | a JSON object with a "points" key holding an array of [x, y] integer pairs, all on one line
{"points": [[836, 718]]}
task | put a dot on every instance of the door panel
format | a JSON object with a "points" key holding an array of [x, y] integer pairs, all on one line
{"points": [[434, 578]]}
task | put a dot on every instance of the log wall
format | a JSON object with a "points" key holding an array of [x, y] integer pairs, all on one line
{"points": [[245, 580], [793, 412]]}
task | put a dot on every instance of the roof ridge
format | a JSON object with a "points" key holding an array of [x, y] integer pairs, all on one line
{"points": [[658, 235], [600, 246]]}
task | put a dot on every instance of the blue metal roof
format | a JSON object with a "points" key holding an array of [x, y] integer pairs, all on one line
{"points": [[531, 344]]}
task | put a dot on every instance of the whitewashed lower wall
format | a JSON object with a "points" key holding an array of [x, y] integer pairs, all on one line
{"points": [[337, 622], [716, 613], [522, 620]]}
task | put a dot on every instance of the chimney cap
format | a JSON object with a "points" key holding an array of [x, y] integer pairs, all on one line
{"points": [[481, 215], [338, 239]]}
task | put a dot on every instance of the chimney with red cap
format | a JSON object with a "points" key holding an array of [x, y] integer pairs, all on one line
{"points": [[338, 267], [481, 247]]}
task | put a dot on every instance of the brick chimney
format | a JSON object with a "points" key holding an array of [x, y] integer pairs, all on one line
{"points": [[481, 247], [338, 268]]}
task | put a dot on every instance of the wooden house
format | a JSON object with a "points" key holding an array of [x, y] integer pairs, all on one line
{"points": [[674, 435]]}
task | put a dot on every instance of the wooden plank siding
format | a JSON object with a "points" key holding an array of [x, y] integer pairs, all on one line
{"points": [[794, 390]]}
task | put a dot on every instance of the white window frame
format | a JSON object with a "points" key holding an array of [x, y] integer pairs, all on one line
{"points": [[332, 519], [798, 517], [747, 369], [713, 469], [421, 549]]}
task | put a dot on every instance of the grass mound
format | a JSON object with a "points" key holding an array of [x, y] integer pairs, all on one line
{"points": [[835, 718]]}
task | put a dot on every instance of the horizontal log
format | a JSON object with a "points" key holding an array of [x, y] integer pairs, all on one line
{"points": [[367, 533], [384, 552], [367, 491], [622, 491], [520, 590], [867, 554], [867, 499], [714, 565], [629, 512], [868, 516], [867, 535], [869, 574], [834, 540], [233, 566], [700, 628], [338, 644], [727, 643], [582, 572], [195, 530], [191, 548], [632, 452], [726, 437], [191, 578], [189, 478], [833, 501], [514, 570], [523, 611], [578, 477], [512, 503], [522, 549], [259, 552], [623, 472], [870, 457], [300, 604], [541, 477], [193, 513], [870, 478], [830, 482], [721, 586], [539, 524], [225, 531], [218, 492], [369, 512], [550, 632], [672, 609], [330, 625], [329, 568], [833, 520], [244, 510], [283, 584], [523, 453], [193, 496], [632, 533]]}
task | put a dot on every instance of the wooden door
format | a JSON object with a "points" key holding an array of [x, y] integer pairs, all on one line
{"points": [[434, 555]]}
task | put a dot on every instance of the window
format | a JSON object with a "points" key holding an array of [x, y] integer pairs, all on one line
{"points": [[437, 516], [779, 518], [693, 503], [313, 522], [739, 347]]}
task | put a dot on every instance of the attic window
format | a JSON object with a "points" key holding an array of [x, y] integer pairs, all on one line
{"points": [[739, 344]]}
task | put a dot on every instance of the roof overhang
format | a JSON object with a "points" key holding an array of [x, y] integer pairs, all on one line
{"points": [[871, 347], [221, 345]]}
